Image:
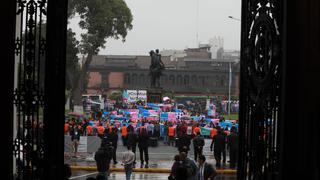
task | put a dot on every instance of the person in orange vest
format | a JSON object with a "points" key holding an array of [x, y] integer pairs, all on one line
{"points": [[80, 128], [89, 130], [171, 133], [100, 131], [111, 128], [213, 132], [66, 128], [124, 134], [196, 130]]}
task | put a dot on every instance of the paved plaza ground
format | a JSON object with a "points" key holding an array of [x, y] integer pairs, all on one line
{"points": [[82, 175], [161, 157]]}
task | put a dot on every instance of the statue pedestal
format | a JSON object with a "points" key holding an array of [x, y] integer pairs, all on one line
{"points": [[154, 95]]}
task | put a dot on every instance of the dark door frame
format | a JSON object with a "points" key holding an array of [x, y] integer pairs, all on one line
{"points": [[299, 125]]}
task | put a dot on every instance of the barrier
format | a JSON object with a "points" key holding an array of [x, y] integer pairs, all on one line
{"points": [[93, 144]]}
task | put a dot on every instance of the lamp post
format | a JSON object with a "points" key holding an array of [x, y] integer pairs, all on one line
{"points": [[230, 74], [230, 79]]}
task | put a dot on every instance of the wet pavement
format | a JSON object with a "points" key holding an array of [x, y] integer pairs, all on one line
{"points": [[139, 176], [159, 157]]}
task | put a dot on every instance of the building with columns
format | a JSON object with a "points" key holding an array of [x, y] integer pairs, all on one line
{"points": [[195, 74]]}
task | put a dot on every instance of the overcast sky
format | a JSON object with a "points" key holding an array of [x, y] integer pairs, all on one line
{"points": [[173, 24]]}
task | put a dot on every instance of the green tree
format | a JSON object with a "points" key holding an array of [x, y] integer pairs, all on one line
{"points": [[101, 19], [72, 65], [116, 95]]}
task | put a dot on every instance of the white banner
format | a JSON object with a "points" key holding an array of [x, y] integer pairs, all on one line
{"points": [[132, 95], [142, 95]]}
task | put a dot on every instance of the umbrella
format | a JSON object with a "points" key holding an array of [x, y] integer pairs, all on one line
{"points": [[166, 98]]}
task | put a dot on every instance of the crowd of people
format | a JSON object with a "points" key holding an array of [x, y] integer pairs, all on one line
{"points": [[143, 133]]}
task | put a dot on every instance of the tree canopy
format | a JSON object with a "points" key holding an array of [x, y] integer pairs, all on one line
{"points": [[72, 65], [101, 19]]}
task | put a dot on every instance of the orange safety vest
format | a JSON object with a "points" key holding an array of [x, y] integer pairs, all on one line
{"points": [[141, 129], [213, 132], [110, 129], [196, 130], [171, 131], [89, 130], [100, 130], [66, 127], [124, 131]]}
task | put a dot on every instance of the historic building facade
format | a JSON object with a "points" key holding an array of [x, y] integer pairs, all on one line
{"points": [[194, 74]]}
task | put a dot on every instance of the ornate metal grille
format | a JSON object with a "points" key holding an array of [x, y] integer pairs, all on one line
{"points": [[28, 93], [260, 89]]}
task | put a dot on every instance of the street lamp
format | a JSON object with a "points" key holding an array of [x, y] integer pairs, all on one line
{"points": [[230, 79], [237, 19]]}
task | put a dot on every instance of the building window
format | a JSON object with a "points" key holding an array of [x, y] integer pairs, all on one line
{"points": [[201, 81], [134, 79], [179, 80], [127, 78], [217, 81], [186, 80], [194, 80], [172, 80], [142, 79], [163, 79], [222, 81]]}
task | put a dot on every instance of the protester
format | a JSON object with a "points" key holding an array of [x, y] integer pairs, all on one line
{"points": [[233, 146], [114, 142], [102, 158], [66, 128], [143, 145], [132, 140], [124, 134], [219, 146], [176, 165], [171, 135], [128, 158], [179, 131], [75, 138], [206, 170], [198, 143], [184, 143], [89, 130], [165, 133], [190, 166]]}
